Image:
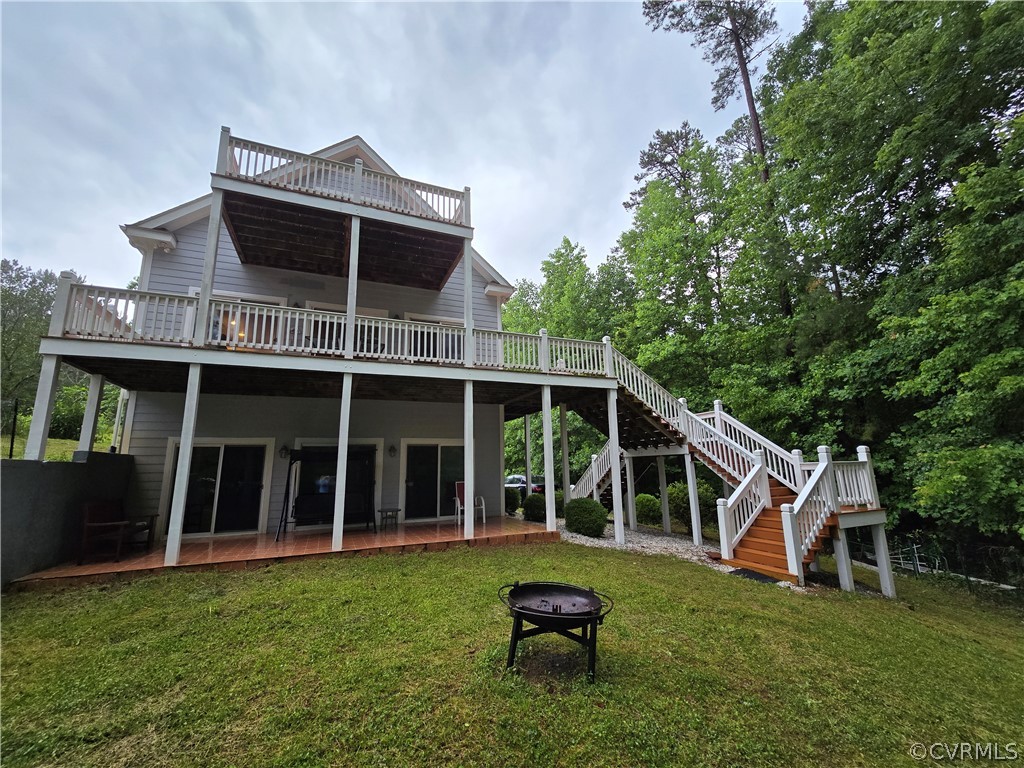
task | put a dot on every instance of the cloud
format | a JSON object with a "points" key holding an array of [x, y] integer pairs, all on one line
{"points": [[111, 112]]}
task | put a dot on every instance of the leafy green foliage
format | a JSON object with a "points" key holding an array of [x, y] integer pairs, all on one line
{"points": [[587, 517], [512, 500], [534, 508], [648, 509]]}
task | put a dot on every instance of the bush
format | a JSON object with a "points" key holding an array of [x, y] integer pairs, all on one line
{"points": [[534, 508], [68, 412], [648, 509], [512, 499], [559, 504], [679, 501], [586, 516]]}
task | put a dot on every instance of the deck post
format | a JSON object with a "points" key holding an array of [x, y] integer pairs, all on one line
{"points": [[724, 532], [87, 435], [59, 313], [794, 547], [469, 349], [798, 467], [115, 439], [549, 458], [46, 391], [844, 566], [469, 467], [564, 429], [203, 319], [691, 489], [184, 466], [341, 470], [609, 357], [616, 467], [353, 280], [630, 494], [544, 353], [882, 559], [501, 456], [864, 455], [666, 520], [357, 182], [529, 463]]}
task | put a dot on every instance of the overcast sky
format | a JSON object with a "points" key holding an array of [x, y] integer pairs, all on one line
{"points": [[111, 112]]}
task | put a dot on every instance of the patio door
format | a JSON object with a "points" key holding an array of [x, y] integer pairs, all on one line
{"points": [[431, 473], [225, 488]]}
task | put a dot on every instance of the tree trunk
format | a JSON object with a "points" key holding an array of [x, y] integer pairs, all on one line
{"points": [[748, 91]]}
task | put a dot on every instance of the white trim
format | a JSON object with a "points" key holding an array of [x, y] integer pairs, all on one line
{"points": [[268, 475], [327, 306], [256, 298], [356, 142], [440, 319], [179, 216], [403, 444], [326, 442], [145, 269]]}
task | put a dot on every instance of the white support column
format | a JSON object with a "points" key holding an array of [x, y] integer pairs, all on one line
{"points": [[609, 357], [529, 463], [115, 440], [630, 494], [724, 533], [794, 547], [798, 461], [549, 457], [202, 329], [613, 447], [844, 566], [593, 473], [469, 466], [60, 303], [188, 434], [544, 353], [666, 520], [341, 470], [501, 456], [691, 489], [87, 435], [467, 299], [564, 434], [882, 558], [351, 298], [46, 391]]}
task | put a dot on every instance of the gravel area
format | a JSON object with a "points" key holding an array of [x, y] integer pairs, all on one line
{"points": [[652, 541]]}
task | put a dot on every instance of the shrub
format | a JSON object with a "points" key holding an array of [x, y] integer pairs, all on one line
{"points": [[648, 509], [679, 501], [534, 508], [586, 516], [512, 499], [68, 412], [559, 504]]}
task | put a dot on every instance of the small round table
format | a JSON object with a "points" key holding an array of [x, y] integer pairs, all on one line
{"points": [[389, 513]]}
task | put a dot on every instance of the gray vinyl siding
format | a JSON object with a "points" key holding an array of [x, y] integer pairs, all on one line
{"points": [[284, 419], [182, 268]]}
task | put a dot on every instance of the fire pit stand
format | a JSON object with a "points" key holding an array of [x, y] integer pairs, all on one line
{"points": [[554, 607]]}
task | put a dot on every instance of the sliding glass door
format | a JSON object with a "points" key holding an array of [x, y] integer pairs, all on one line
{"points": [[431, 471], [225, 488]]}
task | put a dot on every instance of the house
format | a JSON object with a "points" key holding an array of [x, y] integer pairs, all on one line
{"points": [[317, 340]]}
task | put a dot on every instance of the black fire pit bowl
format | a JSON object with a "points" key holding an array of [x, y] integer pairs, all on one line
{"points": [[554, 607]]}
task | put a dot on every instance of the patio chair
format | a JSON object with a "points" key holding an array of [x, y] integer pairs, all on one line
{"points": [[460, 503], [107, 521]]}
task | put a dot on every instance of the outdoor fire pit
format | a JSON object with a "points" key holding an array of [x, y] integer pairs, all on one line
{"points": [[554, 607]]}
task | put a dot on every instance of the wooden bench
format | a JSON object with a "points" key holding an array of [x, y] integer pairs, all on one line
{"points": [[108, 521]]}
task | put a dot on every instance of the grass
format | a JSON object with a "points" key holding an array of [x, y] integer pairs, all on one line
{"points": [[399, 660], [56, 450]]}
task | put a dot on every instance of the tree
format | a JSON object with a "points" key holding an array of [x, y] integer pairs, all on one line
{"points": [[727, 31], [661, 162], [26, 300]]}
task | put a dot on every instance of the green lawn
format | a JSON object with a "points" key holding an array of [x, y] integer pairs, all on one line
{"points": [[399, 660], [56, 450]]}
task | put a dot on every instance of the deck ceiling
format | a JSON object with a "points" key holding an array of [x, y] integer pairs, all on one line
{"points": [[271, 233]]}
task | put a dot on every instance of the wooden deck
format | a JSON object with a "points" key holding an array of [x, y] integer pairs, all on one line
{"points": [[228, 553]]}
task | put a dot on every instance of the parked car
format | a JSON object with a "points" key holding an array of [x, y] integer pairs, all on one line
{"points": [[519, 483]]}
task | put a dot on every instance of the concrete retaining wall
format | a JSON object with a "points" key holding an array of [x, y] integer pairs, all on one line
{"points": [[40, 508]]}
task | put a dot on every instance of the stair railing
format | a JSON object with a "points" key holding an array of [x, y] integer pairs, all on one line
{"points": [[806, 518], [737, 513], [736, 461], [600, 465], [785, 466]]}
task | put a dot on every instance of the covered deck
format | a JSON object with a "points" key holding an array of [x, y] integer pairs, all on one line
{"points": [[224, 553]]}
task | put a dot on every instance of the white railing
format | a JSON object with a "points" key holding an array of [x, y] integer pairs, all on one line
{"points": [[784, 466], [576, 356], [647, 390], [731, 457], [507, 351], [246, 325], [855, 481], [805, 519], [286, 169], [737, 513], [590, 481], [409, 341], [124, 315]]}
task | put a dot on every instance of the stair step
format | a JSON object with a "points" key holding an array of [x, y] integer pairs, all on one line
{"points": [[782, 574], [756, 555], [761, 541]]}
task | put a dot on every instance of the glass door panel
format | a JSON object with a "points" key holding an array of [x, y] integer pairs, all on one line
{"points": [[452, 468], [421, 481], [241, 488]]}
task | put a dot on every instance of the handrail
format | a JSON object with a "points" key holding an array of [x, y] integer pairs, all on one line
{"points": [[600, 465], [275, 166], [737, 513], [806, 517], [127, 315], [783, 465]]}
